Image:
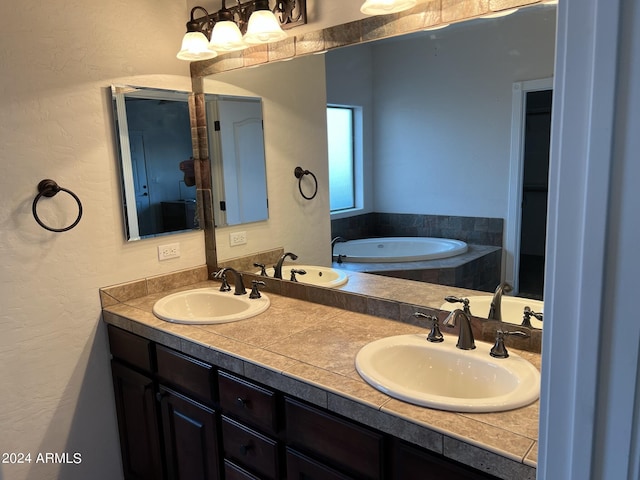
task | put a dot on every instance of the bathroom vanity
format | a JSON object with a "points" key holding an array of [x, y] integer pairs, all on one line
{"points": [[277, 396]]}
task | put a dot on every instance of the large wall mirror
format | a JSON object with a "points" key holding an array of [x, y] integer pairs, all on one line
{"points": [[438, 108], [156, 159]]}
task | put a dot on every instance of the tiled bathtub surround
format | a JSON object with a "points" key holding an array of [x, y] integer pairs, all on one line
{"points": [[472, 270], [474, 230]]}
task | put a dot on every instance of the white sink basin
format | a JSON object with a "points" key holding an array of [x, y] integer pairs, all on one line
{"points": [[441, 376], [208, 305], [319, 276], [512, 308]]}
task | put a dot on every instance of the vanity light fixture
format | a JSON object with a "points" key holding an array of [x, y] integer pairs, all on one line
{"points": [[263, 25], [226, 35], [384, 7], [195, 43], [222, 31]]}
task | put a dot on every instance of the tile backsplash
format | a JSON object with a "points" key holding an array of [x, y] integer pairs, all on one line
{"points": [[473, 230]]}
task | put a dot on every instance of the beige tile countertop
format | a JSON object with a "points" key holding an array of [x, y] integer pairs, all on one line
{"points": [[308, 350]]}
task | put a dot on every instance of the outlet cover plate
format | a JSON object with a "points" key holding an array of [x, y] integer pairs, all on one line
{"points": [[237, 238], [170, 250]]}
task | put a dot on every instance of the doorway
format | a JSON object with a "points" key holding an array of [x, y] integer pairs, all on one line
{"points": [[535, 188], [525, 226]]}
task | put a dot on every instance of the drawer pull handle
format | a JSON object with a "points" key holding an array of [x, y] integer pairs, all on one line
{"points": [[244, 449], [242, 402]]}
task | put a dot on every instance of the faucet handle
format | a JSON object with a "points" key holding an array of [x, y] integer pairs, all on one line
{"points": [[255, 291], [527, 314], [263, 269], [453, 299], [499, 350], [295, 271], [463, 300], [225, 287], [435, 335]]}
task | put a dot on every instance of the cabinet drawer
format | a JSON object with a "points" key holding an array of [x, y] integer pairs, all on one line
{"points": [[249, 448], [335, 441], [248, 402], [130, 348], [186, 374], [301, 467], [234, 472], [413, 463]]}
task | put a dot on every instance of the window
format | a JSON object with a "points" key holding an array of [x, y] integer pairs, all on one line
{"points": [[340, 131]]}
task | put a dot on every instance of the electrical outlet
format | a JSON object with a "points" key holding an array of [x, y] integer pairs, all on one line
{"points": [[237, 238], [170, 250]]}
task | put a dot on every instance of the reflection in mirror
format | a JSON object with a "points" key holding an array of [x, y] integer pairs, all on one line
{"points": [[439, 147], [154, 139], [438, 106], [238, 169]]}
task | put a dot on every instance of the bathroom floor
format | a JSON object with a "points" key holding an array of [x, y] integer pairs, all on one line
{"points": [[531, 276]]}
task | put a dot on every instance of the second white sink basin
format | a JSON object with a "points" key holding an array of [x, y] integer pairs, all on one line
{"points": [[512, 308], [208, 305], [316, 275], [441, 376]]}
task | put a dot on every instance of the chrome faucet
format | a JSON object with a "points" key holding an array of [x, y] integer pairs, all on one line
{"points": [[278, 266], [495, 312], [237, 279], [465, 337]]}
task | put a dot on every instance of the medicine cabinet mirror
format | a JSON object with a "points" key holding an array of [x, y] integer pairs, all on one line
{"points": [[154, 142]]}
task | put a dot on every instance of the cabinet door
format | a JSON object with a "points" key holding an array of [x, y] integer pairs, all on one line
{"points": [[190, 438], [137, 424]]}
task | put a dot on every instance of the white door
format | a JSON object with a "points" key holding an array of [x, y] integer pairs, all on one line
{"points": [[243, 160]]}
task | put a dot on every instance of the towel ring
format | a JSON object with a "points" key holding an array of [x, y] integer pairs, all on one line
{"points": [[299, 172], [49, 188]]}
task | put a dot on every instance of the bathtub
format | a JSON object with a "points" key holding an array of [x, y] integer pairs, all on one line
{"points": [[398, 249]]}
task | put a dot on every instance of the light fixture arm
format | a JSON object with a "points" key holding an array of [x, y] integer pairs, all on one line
{"points": [[290, 14], [201, 24]]}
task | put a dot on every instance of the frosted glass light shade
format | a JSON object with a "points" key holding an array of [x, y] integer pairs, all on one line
{"points": [[195, 46], [226, 37], [263, 28], [384, 7]]}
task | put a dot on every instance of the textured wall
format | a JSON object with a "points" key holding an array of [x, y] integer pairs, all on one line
{"points": [[58, 58]]}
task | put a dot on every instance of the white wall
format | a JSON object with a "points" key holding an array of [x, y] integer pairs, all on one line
{"points": [[443, 113], [294, 109], [349, 73], [58, 60]]}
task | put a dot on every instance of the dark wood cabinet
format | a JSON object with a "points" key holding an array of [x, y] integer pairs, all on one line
{"points": [[412, 463], [137, 424], [350, 447], [183, 419], [165, 434], [252, 450], [190, 438], [301, 467]]}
